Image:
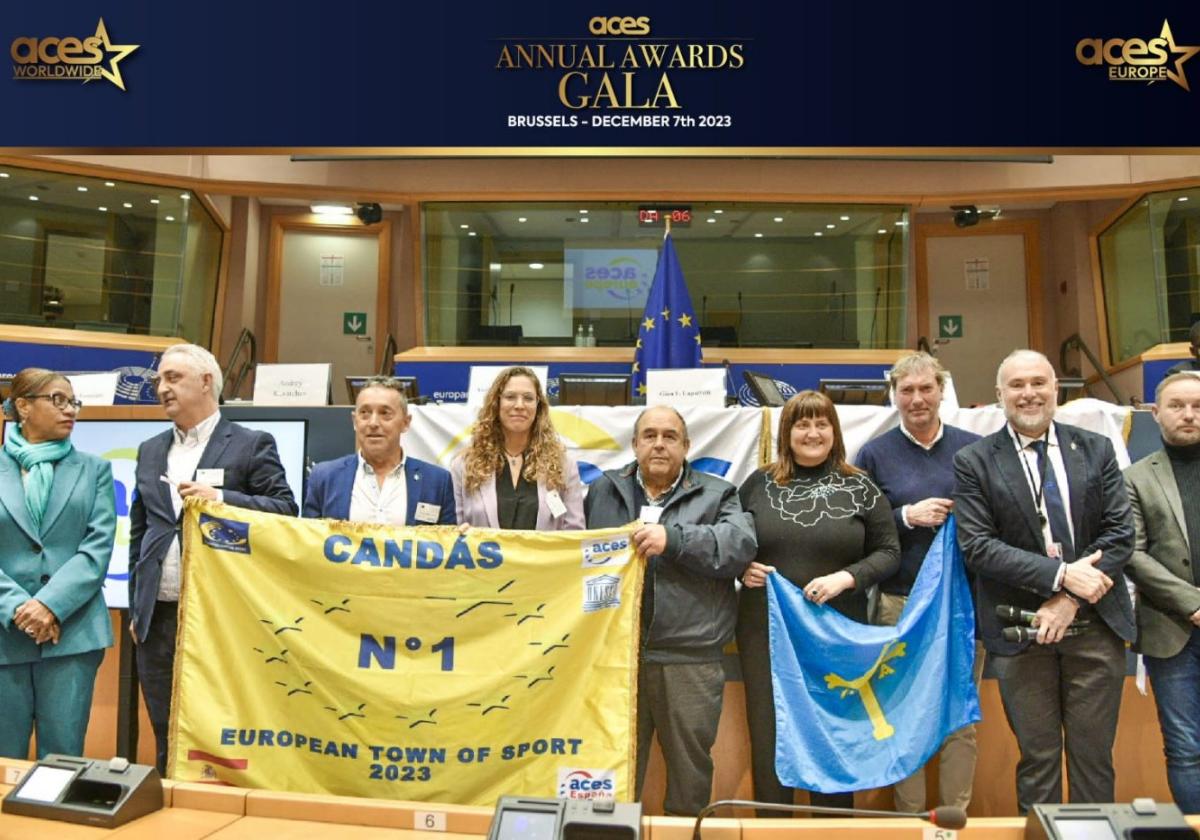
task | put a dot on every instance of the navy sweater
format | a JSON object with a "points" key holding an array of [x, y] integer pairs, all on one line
{"points": [[908, 473]]}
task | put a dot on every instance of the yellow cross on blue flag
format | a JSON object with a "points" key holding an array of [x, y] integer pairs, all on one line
{"points": [[669, 335], [860, 707]]}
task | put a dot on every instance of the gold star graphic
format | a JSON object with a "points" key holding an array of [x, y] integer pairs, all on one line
{"points": [[697, 337], [642, 390], [1178, 76], [636, 367], [666, 313], [685, 320], [639, 344], [113, 73], [648, 323]]}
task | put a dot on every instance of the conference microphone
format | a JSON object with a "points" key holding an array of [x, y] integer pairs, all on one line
{"points": [[704, 310], [1029, 634], [512, 287], [730, 392], [945, 817]]}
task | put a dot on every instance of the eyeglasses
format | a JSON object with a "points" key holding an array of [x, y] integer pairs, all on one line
{"points": [[60, 401]]}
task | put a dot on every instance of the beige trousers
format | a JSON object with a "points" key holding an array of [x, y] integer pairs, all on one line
{"points": [[956, 759]]}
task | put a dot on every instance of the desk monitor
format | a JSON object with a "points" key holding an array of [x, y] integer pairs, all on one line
{"points": [[593, 388], [764, 388], [408, 384], [856, 391]]}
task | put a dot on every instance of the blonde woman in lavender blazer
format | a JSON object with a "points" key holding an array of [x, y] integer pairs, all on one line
{"points": [[516, 473]]}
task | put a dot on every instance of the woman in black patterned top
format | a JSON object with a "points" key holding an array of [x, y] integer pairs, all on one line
{"points": [[825, 526]]}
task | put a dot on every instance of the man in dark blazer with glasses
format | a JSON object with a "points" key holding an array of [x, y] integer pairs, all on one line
{"points": [[1045, 525]]}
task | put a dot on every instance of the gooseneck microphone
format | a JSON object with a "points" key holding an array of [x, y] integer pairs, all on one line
{"points": [[945, 817]]}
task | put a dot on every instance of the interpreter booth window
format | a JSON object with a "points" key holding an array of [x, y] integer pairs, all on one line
{"points": [[93, 253], [1150, 272], [759, 275]]}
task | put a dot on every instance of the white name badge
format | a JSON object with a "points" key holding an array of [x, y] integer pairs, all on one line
{"points": [[555, 503], [650, 514], [213, 478], [428, 513]]}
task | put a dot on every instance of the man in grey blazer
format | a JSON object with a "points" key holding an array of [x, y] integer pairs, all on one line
{"points": [[1164, 491], [1044, 524], [203, 455]]}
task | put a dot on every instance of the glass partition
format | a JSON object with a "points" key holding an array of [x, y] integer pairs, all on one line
{"points": [[1150, 273], [101, 254], [760, 275]]}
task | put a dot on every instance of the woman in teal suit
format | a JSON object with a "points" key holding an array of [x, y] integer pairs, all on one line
{"points": [[57, 525]]}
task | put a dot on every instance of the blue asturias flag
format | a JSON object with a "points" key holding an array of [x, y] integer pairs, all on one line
{"points": [[669, 336], [861, 707]]}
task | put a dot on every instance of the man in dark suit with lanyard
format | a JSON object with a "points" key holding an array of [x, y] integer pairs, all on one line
{"points": [[1044, 523], [203, 455]]}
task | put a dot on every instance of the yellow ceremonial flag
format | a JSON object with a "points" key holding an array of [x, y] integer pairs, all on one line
{"points": [[410, 663]]}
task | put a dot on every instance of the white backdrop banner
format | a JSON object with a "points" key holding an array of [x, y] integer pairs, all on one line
{"points": [[724, 440]]}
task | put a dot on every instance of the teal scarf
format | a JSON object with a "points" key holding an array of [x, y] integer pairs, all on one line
{"points": [[38, 460]]}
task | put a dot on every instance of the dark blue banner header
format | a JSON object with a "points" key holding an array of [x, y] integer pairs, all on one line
{"points": [[762, 76]]}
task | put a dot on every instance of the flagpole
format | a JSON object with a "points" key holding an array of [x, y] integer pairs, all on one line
{"points": [[667, 219]]}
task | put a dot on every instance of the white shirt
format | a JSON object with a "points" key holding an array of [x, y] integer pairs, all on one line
{"points": [[1033, 474], [386, 505], [182, 459], [926, 446]]}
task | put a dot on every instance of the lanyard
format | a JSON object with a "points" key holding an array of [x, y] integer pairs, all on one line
{"points": [[1041, 483]]}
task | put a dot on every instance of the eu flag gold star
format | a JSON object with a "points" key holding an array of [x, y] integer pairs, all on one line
{"points": [[113, 73], [636, 367], [642, 390], [1178, 76], [648, 323], [697, 337], [666, 313], [639, 344], [685, 320]]}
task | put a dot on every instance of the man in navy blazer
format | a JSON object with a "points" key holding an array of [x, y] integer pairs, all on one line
{"points": [[203, 455], [1045, 525], [378, 483]]}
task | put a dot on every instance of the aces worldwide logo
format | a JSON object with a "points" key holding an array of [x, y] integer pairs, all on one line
{"points": [[69, 58]]}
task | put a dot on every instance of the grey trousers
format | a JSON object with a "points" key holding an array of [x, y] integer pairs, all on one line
{"points": [[956, 758], [1068, 692], [683, 704]]}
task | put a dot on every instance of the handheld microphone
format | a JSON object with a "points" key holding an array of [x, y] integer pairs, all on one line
{"points": [[1029, 634], [1011, 614], [945, 817]]}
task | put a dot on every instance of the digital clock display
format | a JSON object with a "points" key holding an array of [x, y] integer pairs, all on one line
{"points": [[658, 216]]}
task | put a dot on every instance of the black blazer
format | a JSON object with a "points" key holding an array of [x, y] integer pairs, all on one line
{"points": [[254, 479], [1001, 538]]}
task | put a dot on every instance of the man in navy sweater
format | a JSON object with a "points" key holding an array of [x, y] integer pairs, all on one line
{"points": [[913, 465]]}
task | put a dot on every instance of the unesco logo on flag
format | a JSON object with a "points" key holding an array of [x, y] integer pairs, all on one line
{"points": [[605, 551], [602, 592], [225, 534]]}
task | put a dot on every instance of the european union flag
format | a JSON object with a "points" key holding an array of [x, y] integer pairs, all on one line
{"points": [[863, 707], [668, 336]]}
